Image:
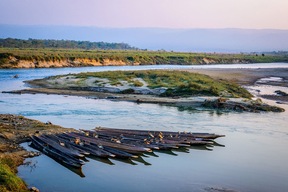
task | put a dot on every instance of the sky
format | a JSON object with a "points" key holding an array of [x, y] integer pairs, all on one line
{"points": [[246, 14]]}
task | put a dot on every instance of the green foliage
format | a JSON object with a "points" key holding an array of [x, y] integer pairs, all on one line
{"points": [[61, 44], [9, 181], [178, 83], [4, 57], [115, 83], [137, 83]]}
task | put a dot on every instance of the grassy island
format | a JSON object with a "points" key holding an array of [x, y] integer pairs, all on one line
{"points": [[176, 88], [173, 83], [162, 83]]}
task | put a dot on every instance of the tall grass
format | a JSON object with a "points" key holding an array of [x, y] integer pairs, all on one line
{"points": [[134, 56], [9, 181]]}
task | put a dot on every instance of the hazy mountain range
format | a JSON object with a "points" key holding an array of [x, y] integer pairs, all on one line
{"points": [[195, 40]]}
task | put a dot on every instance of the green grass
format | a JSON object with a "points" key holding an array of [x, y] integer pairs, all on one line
{"points": [[9, 181], [137, 83], [179, 83], [131, 56]]}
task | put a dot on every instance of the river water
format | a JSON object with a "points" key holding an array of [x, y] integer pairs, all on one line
{"points": [[252, 157]]}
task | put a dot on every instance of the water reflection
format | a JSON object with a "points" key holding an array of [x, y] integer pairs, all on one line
{"points": [[32, 165], [168, 152], [140, 159], [77, 171], [128, 161], [101, 160], [201, 148], [151, 154], [217, 144], [181, 150]]}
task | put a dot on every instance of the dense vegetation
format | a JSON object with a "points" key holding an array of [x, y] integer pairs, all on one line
{"points": [[9, 181], [11, 56], [178, 83], [60, 44]]}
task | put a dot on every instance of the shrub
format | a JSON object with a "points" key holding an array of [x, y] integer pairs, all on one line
{"points": [[137, 83]]}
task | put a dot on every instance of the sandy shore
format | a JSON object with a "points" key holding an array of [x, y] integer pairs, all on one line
{"points": [[248, 77], [244, 76]]}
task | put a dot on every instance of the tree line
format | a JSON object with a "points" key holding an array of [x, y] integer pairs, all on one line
{"points": [[62, 44]]}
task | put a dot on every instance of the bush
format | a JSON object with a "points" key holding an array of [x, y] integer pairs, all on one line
{"points": [[137, 83]]}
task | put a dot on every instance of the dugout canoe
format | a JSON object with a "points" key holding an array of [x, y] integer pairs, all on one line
{"points": [[94, 151], [157, 133], [54, 154], [120, 146]]}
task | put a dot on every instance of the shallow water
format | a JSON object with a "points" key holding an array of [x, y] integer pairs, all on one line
{"points": [[254, 157]]}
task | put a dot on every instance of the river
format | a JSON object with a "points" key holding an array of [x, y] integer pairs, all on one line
{"points": [[252, 157]]}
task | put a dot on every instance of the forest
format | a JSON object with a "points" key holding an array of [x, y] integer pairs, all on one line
{"points": [[62, 44]]}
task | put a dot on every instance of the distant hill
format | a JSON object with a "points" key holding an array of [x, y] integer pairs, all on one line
{"points": [[65, 44], [192, 40]]}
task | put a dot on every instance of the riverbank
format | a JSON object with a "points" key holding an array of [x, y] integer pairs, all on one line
{"points": [[14, 130], [250, 77], [243, 76], [216, 103], [55, 58]]}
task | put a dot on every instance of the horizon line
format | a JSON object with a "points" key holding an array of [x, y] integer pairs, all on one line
{"points": [[167, 28]]}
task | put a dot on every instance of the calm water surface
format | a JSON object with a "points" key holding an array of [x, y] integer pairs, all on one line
{"points": [[254, 157]]}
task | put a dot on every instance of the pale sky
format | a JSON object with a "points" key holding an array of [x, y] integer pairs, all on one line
{"points": [[252, 14]]}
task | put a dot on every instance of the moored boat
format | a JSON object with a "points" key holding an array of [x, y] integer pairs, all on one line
{"points": [[51, 152]]}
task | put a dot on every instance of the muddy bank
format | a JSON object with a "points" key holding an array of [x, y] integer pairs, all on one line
{"points": [[215, 103], [14, 63], [14, 130]]}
